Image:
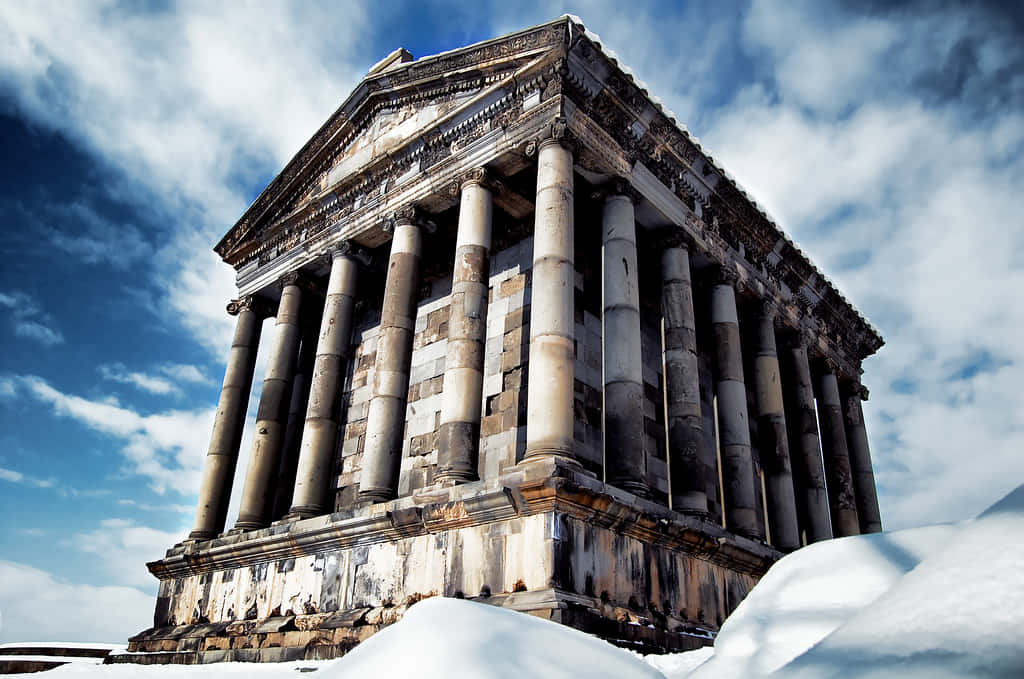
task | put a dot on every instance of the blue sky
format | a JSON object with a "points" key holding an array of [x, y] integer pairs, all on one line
{"points": [[886, 139]]}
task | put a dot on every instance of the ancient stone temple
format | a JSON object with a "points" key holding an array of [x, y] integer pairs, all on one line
{"points": [[475, 390]]}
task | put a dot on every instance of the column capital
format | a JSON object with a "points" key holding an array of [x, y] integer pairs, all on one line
{"points": [[479, 176], [615, 188], [853, 387], [556, 132], [409, 215], [258, 305], [297, 278], [348, 249], [673, 237], [725, 274], [767, 308]]}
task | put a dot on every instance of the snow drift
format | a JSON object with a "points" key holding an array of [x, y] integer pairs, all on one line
{"points": [[936, 602]]}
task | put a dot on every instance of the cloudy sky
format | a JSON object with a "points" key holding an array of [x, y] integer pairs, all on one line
{"points": [[885, 139]]}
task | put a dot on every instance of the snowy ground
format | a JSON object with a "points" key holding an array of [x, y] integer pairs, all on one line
{"points": [[936, 602]]}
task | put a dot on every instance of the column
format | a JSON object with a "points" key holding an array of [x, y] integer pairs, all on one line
{"points": [[462, 391], [864, 489], [549, 414], [284, 484], [272, 416], [385, 425], [320, 434], [625, 463], [684, 419], [771, 428], [734, 429], [842, 503], [219, 471], [806, 443]]}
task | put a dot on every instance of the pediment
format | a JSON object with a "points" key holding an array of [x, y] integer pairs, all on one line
{"points": [[398, 104]]}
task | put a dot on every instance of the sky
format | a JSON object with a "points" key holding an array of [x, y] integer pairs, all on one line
{"points": [[885, 138]]}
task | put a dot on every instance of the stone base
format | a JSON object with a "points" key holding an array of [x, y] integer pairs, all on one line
{"points": [[543, 538]]}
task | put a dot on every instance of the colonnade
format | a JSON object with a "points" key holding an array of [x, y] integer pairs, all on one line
{"points": [[816, 480]]}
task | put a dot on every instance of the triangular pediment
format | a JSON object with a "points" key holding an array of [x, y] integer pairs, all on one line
{"points": [[401, 102]]}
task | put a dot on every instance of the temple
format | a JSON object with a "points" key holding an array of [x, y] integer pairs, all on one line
{"points": [[475, 390]]}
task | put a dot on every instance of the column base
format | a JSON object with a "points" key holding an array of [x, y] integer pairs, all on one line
{"points": [[375, 495], [454, 477], [244, 526], [638, 488], [201, 535], [304, 512]]}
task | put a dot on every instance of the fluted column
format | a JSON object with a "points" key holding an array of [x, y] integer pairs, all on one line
{"points": [[771, 428], [806, 442], [385, 424], [222, 457], [860, 458], [741, 506], [320, 434], [272, 416], [550, 411], [462, 391], [684, 419], [625, 462], [842, 503]]}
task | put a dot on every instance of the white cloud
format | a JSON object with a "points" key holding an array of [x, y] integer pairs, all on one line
{"points": [[166, 448], [193, 104], [29, 320], [910, 206], [36, 604], [24, 479], [117, 372], [124, 547]]}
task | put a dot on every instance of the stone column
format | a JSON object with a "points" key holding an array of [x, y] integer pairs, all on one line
{"points": [[320, 434], [684, 418], [771, 426], [806, 443], [219, 471], [285, 481], [741, 506], [385, 424], [860, 458], [842, 503], [462, 391], [550, 410], [272, 416], [625, 463]]}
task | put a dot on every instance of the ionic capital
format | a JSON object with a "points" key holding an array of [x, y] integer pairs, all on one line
{"points": [[258, 305], [556, 132], [349, 250], [767, 308], [409, 215], [726, 275], [618, 187], [478, 176], [673, 237]]}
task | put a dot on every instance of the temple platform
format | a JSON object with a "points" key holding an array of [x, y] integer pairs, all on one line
{"points": [[545, 538]]}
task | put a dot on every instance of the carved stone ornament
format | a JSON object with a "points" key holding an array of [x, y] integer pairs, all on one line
{"points": [[726, 275], [412, 215], [477, 175], [257, 305], [296, 278], [768, 308], [673, 237]]}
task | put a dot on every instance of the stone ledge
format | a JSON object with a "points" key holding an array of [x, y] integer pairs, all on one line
{"points": [[532, 487]]}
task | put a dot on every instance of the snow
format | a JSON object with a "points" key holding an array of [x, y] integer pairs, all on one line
{"points": [[937, 602], [452, 639]]}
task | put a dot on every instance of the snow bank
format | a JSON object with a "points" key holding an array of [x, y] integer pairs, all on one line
{"points": [[808, 594], [960, 613], [451, 639]]}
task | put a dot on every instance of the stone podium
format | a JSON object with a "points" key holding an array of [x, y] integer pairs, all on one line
{"points": [[534, 348]]}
